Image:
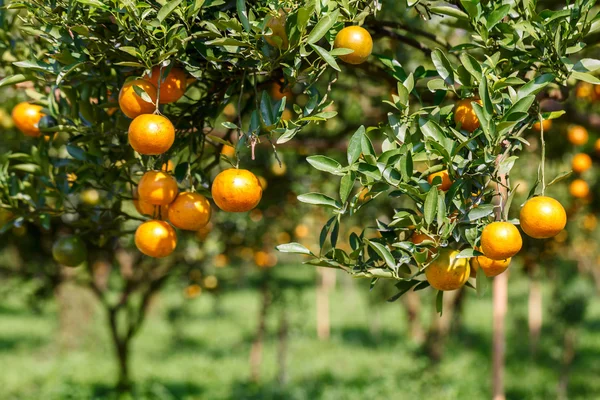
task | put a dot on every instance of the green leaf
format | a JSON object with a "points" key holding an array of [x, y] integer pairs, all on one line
{"points": [[481, 211], [560, 177], [346, 185], [326, 56], [497, 16], [293, 247], [167, 9], [481, 282], [443, 66], [323, 26], [326, 164], [243, 14], [318, 199], [439, 302], [384, 253], [450, 11], [14, 79], [430, 206], [535, 86], [472, 65], [580, 76], [355, 145], [94, 3], [586, 65], [76, 152]]}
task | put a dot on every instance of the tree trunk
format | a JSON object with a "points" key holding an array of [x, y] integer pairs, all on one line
{"points": [[440, 326], [500, 301], [567, 360], [412, 303], [282, 347], [534, 311], [122, 353], [257, 344], [326, 282]]}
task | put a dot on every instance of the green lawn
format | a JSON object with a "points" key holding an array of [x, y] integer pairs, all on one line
{"points": [[206, 355]]}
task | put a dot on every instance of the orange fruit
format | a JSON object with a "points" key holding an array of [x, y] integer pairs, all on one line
{"points": [[585, 90], [546, 123], [221, 260], [236, 190], [418, 238], [265, 260], [168, 166], [542, 217], [69, 251], [500, 240], [228, 151], [278, 92], [133, 105], [277, 25], [490, 267], [301, 231], [145, 208], [151, 134], [448, 272], [26, 117], [172, 87], [445, 178], [597, 145], [155, 238], [464, 114], [357, 39], [193, 291], [157, 188], [203, 232], [210, 282], [581, 163], [579, 189], [286, 115], [190, 211], [578, 135]]}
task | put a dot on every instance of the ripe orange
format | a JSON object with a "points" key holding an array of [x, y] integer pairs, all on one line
{"points": [[265, 260], [26, 117], [151, 134], [585, 90], [145, 208], [581, 163], [172, 87], [578, 135], [278, 92], [579, 189], [277, 25], [301, 231], [155, 238], [69, 251], [168, 166], [448, 272], [445, 178], [357, 39], [228, 151], [133, 105], [236, 190], [418, 238], [546, 123], [542, 217], [190, 211], [157, 188], [193, 291], [490, 267], [500, 240], [597, 145], [464, 114], [286, 115], [203, 232]]}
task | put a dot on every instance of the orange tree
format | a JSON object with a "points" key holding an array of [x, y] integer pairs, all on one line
{"points": [[453, 135]]}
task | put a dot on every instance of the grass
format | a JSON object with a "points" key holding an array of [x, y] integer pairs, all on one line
{"points": [[204, 355]]}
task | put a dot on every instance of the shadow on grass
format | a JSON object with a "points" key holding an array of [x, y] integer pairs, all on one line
{"points": [[12, 343], [365, 337]]}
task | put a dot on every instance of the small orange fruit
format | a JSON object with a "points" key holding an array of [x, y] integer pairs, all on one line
{"points": [[26, 117], [490, 267], [172, 87], [357, 39], [546, 123], [585, 90], [464, 114], [446, 182], [277, 25], [236, 190], [542, 217], [581, 163], [228, 151], [418, 238], [579, 189], [190, 211], [286, 115], [500, 240], [157, 188], [133, 105], [151, 134], [193, 291], [168, 166], [597, 146], [301, 231], [448, 272], [145, 208], [578, 135], [155, 238], [278, 92]]}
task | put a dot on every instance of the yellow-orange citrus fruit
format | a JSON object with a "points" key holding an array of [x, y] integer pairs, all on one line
{"points": [[448, 272], [155, 238], [151, 134], [236, 190], [490, 267], [190, 211], [91, 197], [263, 182], [278, 92], [579, 189], [265, 260], [210, 282], [228, 151], [168, 166], [418, 238], [145, 208], [133, 105], [597, 145], [221, 260], [500, 240], [172, 87], [357, 39], [157, 187], [286, 115], [585, 90], [301, 231], [542, 217], [446, 182], [193, 291], [464, 114], [277, 25], [546, 123], [578, 135], [203, 232], [26, 117], [581, 163]]}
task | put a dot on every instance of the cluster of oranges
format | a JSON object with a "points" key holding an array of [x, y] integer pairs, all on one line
{"points": [[581, 162]]}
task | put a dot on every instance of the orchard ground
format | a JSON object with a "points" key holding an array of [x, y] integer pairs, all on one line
{"points": [[199, 348]]}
